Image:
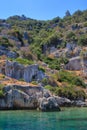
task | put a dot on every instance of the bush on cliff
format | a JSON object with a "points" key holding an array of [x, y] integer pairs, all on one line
{"points": [[55, 63], [5, 42], [70, 78], [1, 91], [70, 92], [1, 94], [22, 61]]}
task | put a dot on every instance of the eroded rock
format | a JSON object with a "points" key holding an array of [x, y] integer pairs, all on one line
{"points": [[19, 71]]}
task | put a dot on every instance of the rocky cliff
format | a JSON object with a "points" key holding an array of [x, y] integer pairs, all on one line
{"points": [[36, 97]]}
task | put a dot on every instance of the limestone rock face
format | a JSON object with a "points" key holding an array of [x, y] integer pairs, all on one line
{"points": [[30, 72], [34, 97], [18, 71], [28, 97], [2, 104], [14, 70], [20, 97]]}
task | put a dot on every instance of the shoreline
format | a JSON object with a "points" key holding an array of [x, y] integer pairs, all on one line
{"points": [[37, 110]]}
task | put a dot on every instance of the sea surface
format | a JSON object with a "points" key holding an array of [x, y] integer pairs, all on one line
{"points": [[67, 119]]}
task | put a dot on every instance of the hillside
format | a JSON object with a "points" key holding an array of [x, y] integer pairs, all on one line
{"points": [[50, 53]]}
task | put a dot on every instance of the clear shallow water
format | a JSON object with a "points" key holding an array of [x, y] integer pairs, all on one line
{"points": [[68, 119]]}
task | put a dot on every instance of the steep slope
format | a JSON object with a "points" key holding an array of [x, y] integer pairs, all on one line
{"points": [[50, 53]]}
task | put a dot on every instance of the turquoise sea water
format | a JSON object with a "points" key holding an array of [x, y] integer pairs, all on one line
{"points": [[68, 119]]}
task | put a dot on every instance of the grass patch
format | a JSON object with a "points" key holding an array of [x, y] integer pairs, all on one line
{"points": [[22, 61]]}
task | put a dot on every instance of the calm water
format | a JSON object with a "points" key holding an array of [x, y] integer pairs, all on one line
{"points": [[68, 119]]}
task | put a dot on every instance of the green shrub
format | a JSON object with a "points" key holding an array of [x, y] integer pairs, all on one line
{"points": [[1, 86], [1, 91], [41, 68], [22, 61], [85, 24], [56, 62], [50, 88], [70, 34], [82, 40], [21, 79], [45, 81], [34, 82], [1, 94], [70, 92], [5, 42], [70, 78]]}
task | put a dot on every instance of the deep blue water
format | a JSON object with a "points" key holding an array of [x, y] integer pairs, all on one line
{"points": [[68, 119]]}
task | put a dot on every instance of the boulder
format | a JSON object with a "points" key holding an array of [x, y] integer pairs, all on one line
{"points": [[11, 54], [79, 103], [74, 64], [46, 94], [71, 46], [48, 104], [63, 101]]}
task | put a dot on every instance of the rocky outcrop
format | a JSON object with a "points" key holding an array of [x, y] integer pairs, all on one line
{"points": [[20, 97], [63, 101], [50, 48], [48, 104], [5, 25], [77, 63], [79, 103], [34, 97], [28, 97], [8, 53], [19, 71], [72, 50], [74, 64]]}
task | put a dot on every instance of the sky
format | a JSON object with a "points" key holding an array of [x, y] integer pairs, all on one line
{"points": [[40, 9]]}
